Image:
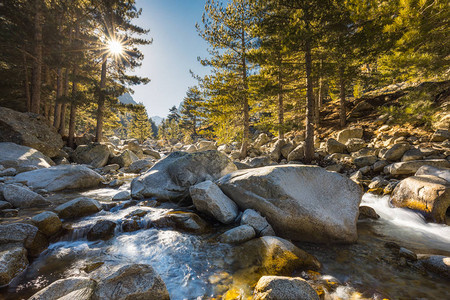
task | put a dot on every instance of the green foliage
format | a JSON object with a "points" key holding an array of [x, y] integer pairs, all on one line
{"points": [[140, 127], [416, 108]]}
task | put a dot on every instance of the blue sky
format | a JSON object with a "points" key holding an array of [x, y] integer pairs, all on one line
{"points": [[176, 46]]}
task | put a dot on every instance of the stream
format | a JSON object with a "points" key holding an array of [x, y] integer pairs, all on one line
{"points": [[198, 267]]}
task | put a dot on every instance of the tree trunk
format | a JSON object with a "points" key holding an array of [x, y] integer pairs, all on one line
{"points": [[62, 124], [47, 99], [57, 113], [73, 104], [318, 102], [37, 63], [101, 102], [245, 141], [27, 83], [280, 102], [309, 134], [342, 111]]}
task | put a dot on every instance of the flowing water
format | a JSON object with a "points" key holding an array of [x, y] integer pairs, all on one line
{"points": [[197, 267]]}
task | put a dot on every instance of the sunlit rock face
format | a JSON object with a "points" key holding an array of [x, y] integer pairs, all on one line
{"points": [[80, 288], [29, 130], [22, 158], [171, 177], [60, 177], [302, 203]]}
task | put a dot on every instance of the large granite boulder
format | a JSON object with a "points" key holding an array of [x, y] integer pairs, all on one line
{"points": [[23, 234], [208, 198], [396, 152], [22, 158], [124, 159], [443, 173], [136, 281], [22, 197], [13, 260], [411, 167], [284, 288], [29, 130], [94, 154], [304, 203], [60, 178], [78, 207], [79, 288], [48, 222], [350, 133], [171, 177], [428, 194]]}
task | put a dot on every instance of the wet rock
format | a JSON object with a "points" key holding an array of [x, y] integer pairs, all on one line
{"points": [[125, 158], [21, 197], [346, 134], [396, 152], [274, 256], [48, 222], [354, 144], [79, 288], [283, 288], [123, 195], [102, 230], [408, 254], [171, 177], [60, 178], [208, 198], [94, 154], [430, 195], [367, 212], [30, 130], [140, 166], [440, 135], [134, 281], [300, 202], [238, 235], [22, 158], [259, 223], [138, 213], [298, 153], [183, 221], [25, 234], [438, 264], [79, 207], [334, 146], [411, 167], [443, 173], [130, 225], [366, 160], [13, 260]]}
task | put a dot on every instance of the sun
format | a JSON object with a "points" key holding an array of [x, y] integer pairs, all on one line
{"points": [[115, 47]]}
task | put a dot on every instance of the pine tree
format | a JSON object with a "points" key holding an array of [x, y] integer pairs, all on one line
{"points": [[190, 112], [140, 127]]}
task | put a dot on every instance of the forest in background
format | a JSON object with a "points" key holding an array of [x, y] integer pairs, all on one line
{"points": [[275, 64]]}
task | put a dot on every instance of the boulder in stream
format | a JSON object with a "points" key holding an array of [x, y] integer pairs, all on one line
{"points": [[23, 234], [208, 198], [48, 222], [284, 288], [303, 203], [22, 197], [136, 281], [428, 194], [60, 178], [94, 154], [78, 207], [102, 230], [182, 221], [171, 177], [238, 235], [79, 288]]}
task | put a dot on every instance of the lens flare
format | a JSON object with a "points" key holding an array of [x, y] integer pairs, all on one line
{"points": [[115, 47]]}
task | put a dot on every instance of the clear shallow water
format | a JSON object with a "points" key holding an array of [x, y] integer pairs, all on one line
{"points": [[196, 267]]}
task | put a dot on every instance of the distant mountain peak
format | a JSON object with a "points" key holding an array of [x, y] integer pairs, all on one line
{"points": [[157, 119], [127, 99]]}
